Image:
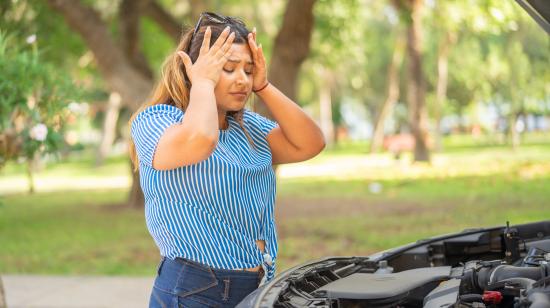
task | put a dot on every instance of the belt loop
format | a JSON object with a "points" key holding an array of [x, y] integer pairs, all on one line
{"points": [[262, 275], [159, 267]]}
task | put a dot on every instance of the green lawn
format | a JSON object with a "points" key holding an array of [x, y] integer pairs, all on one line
{"points": [[470, 185]]}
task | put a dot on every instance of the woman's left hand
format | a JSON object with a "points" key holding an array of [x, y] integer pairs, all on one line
{"points": [[260, 70]]}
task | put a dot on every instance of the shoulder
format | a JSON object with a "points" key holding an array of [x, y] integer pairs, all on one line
{"points": [[258, 122], [149, 125], [158, 113], [255, 118], [160, 109], [250, 115]]}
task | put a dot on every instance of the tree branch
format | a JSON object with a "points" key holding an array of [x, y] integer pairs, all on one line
{"points": [[129, 15], [292, 46], [118, 72], [168, 23]]}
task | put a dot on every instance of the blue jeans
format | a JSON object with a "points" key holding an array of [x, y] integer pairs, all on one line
{"points": [[184, 283]]}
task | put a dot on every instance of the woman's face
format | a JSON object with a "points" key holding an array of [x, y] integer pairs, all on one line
{"points": [[235, 83]]}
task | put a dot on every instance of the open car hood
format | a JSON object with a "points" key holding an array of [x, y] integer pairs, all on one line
{"points": [[508, 264], [539, 10]]}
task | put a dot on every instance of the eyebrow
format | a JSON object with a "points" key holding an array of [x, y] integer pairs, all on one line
{"points": [[238, 61]]}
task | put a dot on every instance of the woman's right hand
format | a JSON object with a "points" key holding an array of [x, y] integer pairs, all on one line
{"points": [[211, 60]]}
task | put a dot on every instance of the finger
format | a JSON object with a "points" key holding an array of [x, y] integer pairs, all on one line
{"points": [[252, 43], [261, 51], [221, 39], [186, 62], [206, 41], [253, 46], [226, 47], [261, 58], [250, 38], [254, 33]]}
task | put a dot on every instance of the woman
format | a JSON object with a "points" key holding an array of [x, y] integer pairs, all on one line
{"points": [[206, 165]]}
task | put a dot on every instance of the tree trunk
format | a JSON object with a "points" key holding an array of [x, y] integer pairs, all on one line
{"points": [[392, 94], [165, 21], [291, 49], [136, 199], [109, 127], [122, 68], [325, 104], [129, 14], [514, 133], [2, 295], [197, 7], [119, 73], [442, 81], [416, 83], [30, 175]]}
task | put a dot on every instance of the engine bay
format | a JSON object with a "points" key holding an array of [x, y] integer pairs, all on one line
{"points": [[494, 267]]}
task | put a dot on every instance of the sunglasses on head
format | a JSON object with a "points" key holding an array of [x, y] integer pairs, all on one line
{"points": [[214, 18]]}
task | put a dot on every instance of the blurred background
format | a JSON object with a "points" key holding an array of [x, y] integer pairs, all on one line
{"points": [[436, 115]]}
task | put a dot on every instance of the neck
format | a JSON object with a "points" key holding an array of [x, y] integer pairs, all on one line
{"points": [[222, 121]]}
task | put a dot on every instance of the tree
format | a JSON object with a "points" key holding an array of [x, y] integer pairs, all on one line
{"points": [[122, 66], [411, 12], [2, 295], [291, 48], [392, 94], [126, 71], [336, 39], [443, 19], [33, 97]]}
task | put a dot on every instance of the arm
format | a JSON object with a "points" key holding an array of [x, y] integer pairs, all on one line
{"points": [[196, 137], [298, 137]]}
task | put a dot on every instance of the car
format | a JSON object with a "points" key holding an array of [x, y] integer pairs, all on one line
{"points": [[503, 266]]}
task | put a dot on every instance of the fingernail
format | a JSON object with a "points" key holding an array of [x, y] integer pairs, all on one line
{"points": [[254, 29], [226, 28], [208, 28]]}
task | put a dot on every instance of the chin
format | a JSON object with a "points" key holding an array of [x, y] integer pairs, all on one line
{"points": [[235, 106]]}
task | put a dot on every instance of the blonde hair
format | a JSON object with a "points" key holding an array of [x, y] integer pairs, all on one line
{"points": [[173, 87]]}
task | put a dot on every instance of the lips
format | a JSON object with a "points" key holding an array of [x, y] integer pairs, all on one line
{"points": [[239, 95]]}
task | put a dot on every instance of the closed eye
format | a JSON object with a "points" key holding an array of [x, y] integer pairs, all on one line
{"points": [[232, 70]]}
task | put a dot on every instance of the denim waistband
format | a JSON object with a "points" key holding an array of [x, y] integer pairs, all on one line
{"points": [[239, 272], [193, 282]]}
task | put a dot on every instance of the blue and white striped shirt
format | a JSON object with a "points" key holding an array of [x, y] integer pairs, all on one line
{"points": [[213, 211]]}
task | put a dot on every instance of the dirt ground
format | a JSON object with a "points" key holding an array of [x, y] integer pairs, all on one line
{"points": [[314, 208]]}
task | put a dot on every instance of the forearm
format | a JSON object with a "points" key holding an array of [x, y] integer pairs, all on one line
{"points": [[201, 116], [195, 138], [299, 129]]}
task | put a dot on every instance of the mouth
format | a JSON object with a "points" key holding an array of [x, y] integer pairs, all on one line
{"points": [[239, 95]]}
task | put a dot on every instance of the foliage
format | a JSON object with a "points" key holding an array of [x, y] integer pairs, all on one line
{"points": [[316, 216], [33, 96]]}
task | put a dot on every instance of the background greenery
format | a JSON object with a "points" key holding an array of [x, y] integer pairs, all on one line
{"points": [[345, 201], [90, 232]]}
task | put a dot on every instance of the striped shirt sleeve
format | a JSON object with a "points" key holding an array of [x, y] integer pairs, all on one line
{"points": [[149, 125], [258, 123]]}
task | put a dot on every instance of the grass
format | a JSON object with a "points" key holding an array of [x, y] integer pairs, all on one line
{"points": [[91, 231], [405, 211], [73, 232]]}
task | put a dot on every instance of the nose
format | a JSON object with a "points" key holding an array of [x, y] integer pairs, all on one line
{"points": [[242, 78]]}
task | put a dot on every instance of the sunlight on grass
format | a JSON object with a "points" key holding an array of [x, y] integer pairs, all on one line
{"points": [[326, 206]]}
